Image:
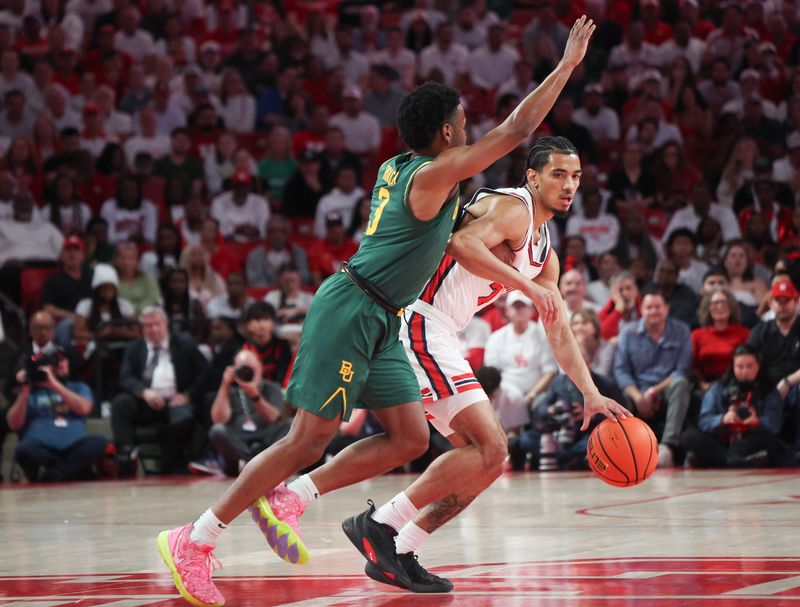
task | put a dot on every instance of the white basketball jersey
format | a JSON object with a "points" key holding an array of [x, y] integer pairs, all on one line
{"points": [[453, 295]]}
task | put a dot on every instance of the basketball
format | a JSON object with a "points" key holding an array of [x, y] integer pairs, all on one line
{"points": [[622, 453]]}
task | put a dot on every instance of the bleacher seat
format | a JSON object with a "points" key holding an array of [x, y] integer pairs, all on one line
{"points": [[31, 282]]}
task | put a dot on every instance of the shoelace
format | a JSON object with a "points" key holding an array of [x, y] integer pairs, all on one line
{"points": [[200, 563], [414, 569]]}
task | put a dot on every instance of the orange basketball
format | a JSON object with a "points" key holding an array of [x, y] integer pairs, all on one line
{"points": [[623, 453]]}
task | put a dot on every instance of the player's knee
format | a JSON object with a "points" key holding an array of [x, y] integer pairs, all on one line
{"points": [[494, 451], [413, 445]]}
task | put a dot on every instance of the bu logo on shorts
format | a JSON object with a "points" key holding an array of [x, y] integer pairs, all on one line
{"points": [[346, 371]]}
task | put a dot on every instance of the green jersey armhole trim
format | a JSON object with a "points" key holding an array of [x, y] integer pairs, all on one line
{"points": [[406, 208]]}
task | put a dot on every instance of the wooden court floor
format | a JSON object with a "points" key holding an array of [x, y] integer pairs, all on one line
{"points": [[684, 538]]}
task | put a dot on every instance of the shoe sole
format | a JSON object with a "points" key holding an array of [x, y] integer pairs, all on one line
{"points": [[279, 535], [376, 574], [363, 545], [163, 549]]}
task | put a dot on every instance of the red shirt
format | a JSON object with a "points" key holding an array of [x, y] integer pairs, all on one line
{"points": [[326, 258], [712, 349], [658, 34]]}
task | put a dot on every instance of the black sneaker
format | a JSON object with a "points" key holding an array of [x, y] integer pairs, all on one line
{"points": [[376, 542], [422, 580]]}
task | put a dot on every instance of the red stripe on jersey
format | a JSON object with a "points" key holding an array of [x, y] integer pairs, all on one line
{"points": [[468, 387], [435, 283], [418, 343], [465, 376]]}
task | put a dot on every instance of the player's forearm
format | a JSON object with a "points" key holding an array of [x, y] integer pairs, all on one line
{"points": [[475, 257], [568, 356], [531, 111]]}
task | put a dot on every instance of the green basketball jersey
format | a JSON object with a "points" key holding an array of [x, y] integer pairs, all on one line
{"points": [[399, 253]]}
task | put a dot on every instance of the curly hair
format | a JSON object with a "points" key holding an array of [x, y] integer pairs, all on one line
{"points": [[423, 112], [704, 310]]}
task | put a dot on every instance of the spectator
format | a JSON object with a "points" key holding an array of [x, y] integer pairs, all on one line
{"points": [[49, 414], [184, 313], [629, 184], [507, 402], [93, 138], [635, 243], [326, 256], [719, 89], [396, 56], [179, 162], [305, 187], [354, 64], [599, 291], [11, 77], [289, 300], [445, 56], [61, 292], [63, 208], [342, 199], [701, 205], [190, 226], [684, 45], [98, 248], [521, 84], [104, 314], [635, 54], [169, 116], [652, 366], [25, 239], [278, 165], [242, 215], [117, 125], [747, 288], [232, 303], [740, 419], [204, 283], [165, 255], [787, 169], [20, 160], [238, 110], [16, 120], [137, 94], [562, 124], [762, 196], [738, 170], [274, 353], [680, 247], [573, 256], [598, 352], [383, 97], [472, 340], [131, 39], [717, 336], [129, 215], [139, 288], [545, 26], [493, 63], [56, 99], [599, 230], [247, 413], [749, 84], [600, 120], [778, 341], [362, 131], [147, 138], [161, 378], [623, 306], [572, 286], [519, 350], [218, 162], [264, 262], [681, 300]]}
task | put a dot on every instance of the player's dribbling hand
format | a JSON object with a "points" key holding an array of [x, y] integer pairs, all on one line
{"points": [[578, 41], [547, 302], [600, 404]]}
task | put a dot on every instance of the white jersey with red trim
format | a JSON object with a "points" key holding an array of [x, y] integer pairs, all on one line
{"points": [[454, 295]]}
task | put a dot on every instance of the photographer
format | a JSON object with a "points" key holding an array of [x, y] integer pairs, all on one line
{"points": [[246, 413], [49, 414], [739, 419]]}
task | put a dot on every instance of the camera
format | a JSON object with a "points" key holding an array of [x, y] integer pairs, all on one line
{"points": [[245, 373], [561, 418], [743, 411], [34, 364], [740, 395]]}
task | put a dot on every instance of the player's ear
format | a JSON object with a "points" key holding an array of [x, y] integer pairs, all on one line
{"points": [[447, 132]]}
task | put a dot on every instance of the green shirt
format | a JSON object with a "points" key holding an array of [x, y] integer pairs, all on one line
{"points": [[399, 253], [276, 173], [142, 292]]}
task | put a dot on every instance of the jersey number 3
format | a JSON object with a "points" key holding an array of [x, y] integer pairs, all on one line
{"points": [[383, 198], [496, 288]]}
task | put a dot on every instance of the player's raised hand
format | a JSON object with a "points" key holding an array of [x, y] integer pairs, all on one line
{"points": [[578, 41]]}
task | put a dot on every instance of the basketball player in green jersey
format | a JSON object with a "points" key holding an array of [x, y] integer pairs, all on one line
{"points": [[350, 352]]}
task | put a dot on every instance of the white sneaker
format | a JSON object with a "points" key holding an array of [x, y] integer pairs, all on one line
{"points": [[665, 457]]}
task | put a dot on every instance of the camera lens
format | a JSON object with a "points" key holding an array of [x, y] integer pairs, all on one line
{"points": [[245, 373]]}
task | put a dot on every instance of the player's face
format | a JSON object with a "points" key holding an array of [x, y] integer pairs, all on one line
{"points": [[557, 182], [457, 128]]}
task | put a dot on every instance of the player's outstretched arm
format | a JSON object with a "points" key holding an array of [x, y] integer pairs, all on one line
{"points": [[568, 354], [462, 162]]}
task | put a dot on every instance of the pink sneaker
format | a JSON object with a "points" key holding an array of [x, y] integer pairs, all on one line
{"points": [[277, 515], [191, 565]]}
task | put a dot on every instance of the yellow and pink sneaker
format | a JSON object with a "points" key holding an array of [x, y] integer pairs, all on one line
{"points": [[277, 515], [191, 565]]}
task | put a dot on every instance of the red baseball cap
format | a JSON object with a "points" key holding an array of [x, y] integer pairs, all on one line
{"points": [[91, 108], [241, 178], [73, 242], [783, 288]]}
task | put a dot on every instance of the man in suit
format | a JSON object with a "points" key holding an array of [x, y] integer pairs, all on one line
{"points": [[162, 375]]}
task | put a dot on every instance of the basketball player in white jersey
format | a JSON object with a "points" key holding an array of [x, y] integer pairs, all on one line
{"points": [[471, 277]]}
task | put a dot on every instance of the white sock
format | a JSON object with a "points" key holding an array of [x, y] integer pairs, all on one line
{"points": [[305, 488], [410, 538], [396, 512], [207, 528]]}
